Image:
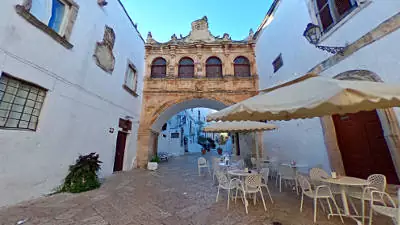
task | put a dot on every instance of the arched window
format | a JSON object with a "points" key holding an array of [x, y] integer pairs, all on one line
{"points": [[242, 66], [213, 67], [158, 68], [186, 68]]}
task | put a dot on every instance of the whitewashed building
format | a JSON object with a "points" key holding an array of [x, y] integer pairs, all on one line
{"points": [[355, 144], [71, 75], [180, 133]]}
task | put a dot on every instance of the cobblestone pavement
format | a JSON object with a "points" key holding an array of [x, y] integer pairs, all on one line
{"points": [[173, 195]]}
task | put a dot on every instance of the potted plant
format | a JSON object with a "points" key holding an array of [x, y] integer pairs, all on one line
{"points": [[153, 164], [219, 150]]}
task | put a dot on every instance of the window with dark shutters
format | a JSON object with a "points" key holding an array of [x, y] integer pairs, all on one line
{"points": [[186, 68], [159, 68], [241, 67], [213, 67]]}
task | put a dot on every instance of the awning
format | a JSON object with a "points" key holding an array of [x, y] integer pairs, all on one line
{"points": [[312, 96], [238, 126]]}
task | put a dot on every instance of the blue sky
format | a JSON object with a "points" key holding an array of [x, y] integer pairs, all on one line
{"points": [[166, 17]]}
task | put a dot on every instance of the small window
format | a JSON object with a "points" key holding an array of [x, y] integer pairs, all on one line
{"points": [[158, 68], [330, 12], [174, 135], [53, 13], [277, 63], [131, 78], [20, 103], [186, 68], [241, 67]]}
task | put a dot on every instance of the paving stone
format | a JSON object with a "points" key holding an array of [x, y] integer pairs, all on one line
{"points": [[173, 195]]}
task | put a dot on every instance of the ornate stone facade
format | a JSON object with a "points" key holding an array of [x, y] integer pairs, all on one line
{"points": [[163, 91]]}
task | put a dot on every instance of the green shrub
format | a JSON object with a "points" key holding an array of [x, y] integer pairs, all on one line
{"points": [[155, 159], [82, 175]]}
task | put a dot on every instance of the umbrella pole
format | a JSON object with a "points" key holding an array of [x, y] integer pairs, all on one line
{"points": [[257, 153]]}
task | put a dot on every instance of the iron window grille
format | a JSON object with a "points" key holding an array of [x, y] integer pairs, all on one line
{"points": [[20, 103]]}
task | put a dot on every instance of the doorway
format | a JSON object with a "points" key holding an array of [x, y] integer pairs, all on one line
{"points": [[120, 151], [363, 147]]}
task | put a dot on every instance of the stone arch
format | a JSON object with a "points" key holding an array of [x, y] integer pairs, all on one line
{"points": [[388, 118]]}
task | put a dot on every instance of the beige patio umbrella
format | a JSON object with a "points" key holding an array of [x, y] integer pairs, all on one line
{"points": [[312, 96], [240, 127]]}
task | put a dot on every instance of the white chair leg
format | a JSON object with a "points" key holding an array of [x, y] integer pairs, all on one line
{"points": [[280, 184], [255, 198], [297, 187], [315, 209], [330, 207], [322, 205], [363, 211], [301, 202], [236, 194], [245, 202], [269, 194], [353, 206], [370, 216], [198, 168], [337, 208], [216, 200], [229, 194], [262, 198]]}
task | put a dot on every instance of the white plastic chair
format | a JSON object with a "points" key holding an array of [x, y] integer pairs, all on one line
{"points": [[317, 175], [224, 183], [377, 182], [252, 185], [392, 211], [202, 163], [265, 177], [320, 192], [215, 166], [287, 173]]}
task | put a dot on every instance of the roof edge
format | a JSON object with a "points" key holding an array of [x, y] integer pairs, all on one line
{"points": [[130, 19], [271, 11]]}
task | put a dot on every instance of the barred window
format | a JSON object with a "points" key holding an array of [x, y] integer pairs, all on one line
{"points": [[20, 103]]}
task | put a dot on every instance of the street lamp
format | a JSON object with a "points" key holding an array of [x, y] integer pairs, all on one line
{"points": [[313, 35]]}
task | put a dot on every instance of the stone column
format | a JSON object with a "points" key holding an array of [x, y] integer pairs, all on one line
{"points": [[334, 155], [391, 132]]}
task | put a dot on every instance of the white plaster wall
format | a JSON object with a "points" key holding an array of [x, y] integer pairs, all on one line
{"points": [[82, 101], [302, 140]]}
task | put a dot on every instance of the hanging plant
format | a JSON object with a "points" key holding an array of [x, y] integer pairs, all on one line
{"points": [[82, 175]]}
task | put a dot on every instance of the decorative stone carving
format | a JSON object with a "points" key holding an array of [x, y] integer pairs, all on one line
{"points": [[27, 4], [226, 37], [104, 51], [251, 35]]}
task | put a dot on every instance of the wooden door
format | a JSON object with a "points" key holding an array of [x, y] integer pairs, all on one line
{"points": [[120, 151], [363, 146]]}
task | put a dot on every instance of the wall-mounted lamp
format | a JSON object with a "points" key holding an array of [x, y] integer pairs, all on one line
{"points": [[102, 3], [313, 35]]}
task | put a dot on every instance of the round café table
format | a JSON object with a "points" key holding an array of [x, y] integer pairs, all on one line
{"points": [[242, 173], [343, 182]]}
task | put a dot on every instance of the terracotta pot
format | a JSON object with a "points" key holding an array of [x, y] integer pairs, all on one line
{"points": [[219, 151], [203, 151]]}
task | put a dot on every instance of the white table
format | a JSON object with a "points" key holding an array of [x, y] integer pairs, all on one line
{"points": [[295, 166], [241, 173], [343, 182]]}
